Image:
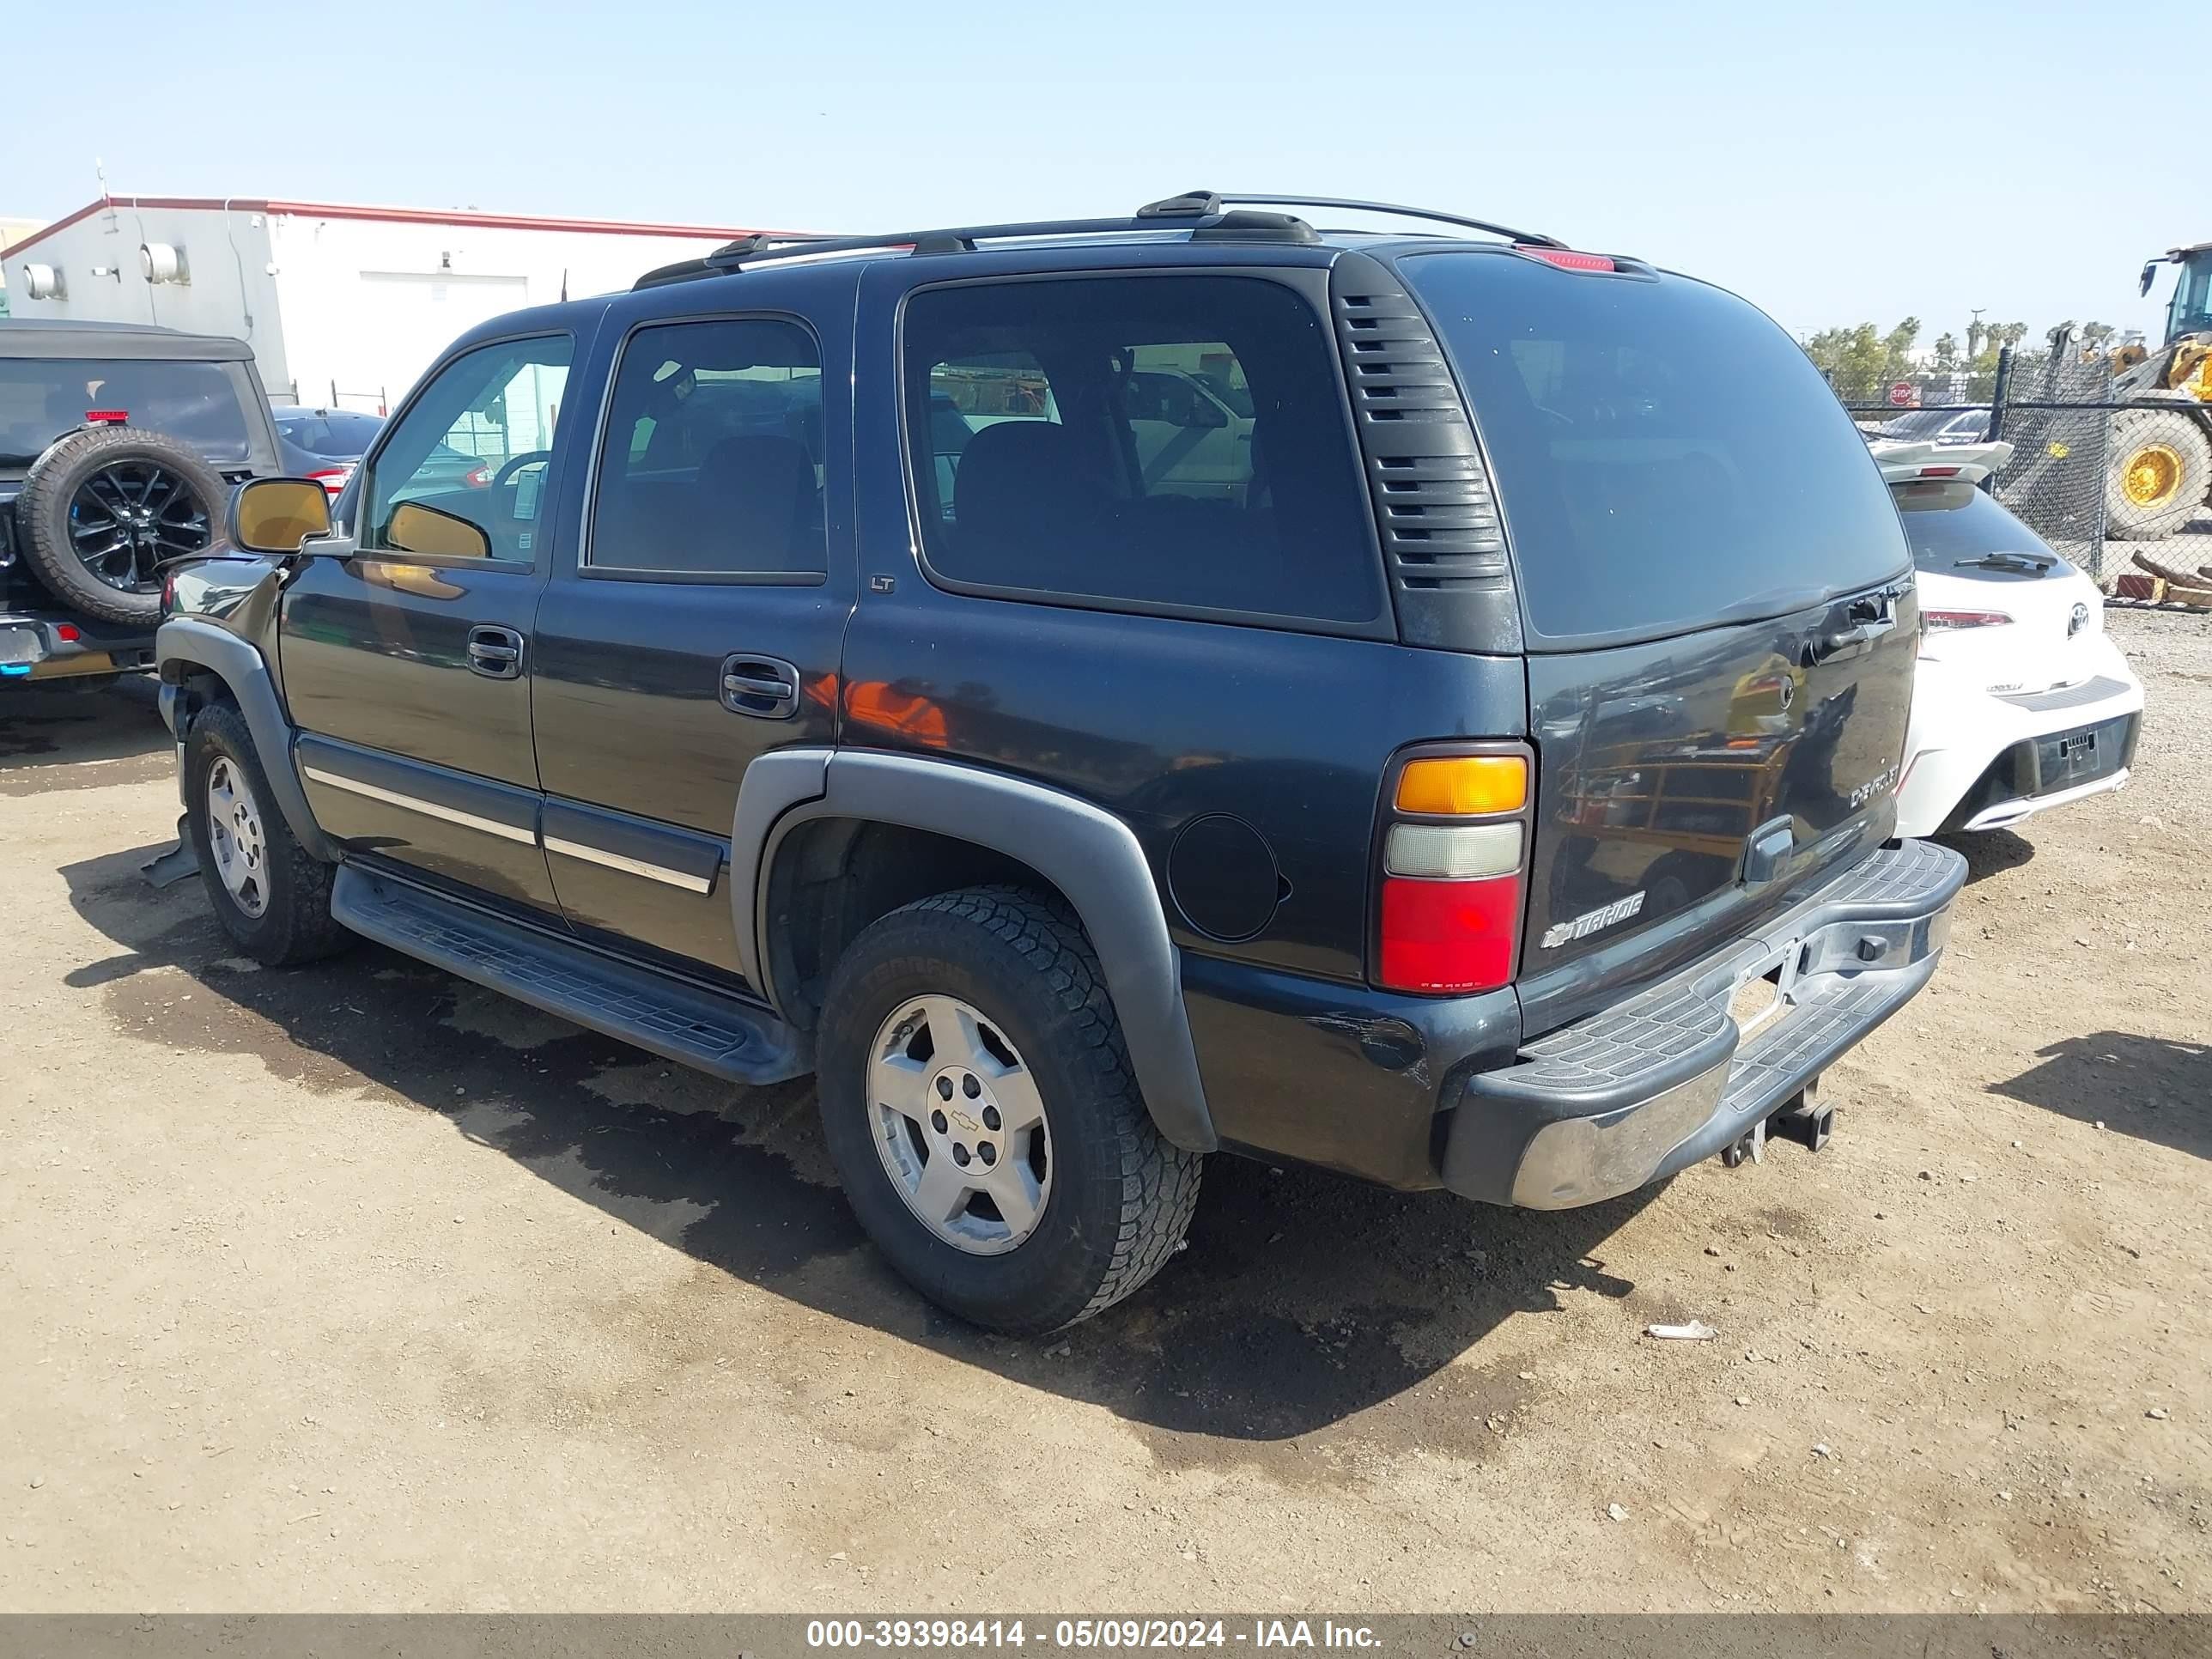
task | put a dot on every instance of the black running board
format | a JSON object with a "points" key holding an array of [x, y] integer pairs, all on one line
{"points": [[657, 1012]]}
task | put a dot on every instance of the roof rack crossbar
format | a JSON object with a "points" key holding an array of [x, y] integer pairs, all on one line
{"points": [[1205, 213], [1206, 201], [762, 247]]}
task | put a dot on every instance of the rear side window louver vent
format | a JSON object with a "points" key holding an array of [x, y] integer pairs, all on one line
{"points": [[1433, 502]]}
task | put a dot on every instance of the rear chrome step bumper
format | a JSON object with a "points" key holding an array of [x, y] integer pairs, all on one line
{"points": [[1629, 1096]]}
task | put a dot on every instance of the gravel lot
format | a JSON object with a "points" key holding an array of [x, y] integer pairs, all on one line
{"points": [[359, 1288]]}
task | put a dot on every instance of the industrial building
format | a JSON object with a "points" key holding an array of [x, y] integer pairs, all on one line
{"points": [[344, 306]]}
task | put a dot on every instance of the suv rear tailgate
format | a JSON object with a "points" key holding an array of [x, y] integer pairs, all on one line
{"points": [[1716, 598]]}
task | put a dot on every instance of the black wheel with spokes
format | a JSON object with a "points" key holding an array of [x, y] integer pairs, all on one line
{"points": [[106, 507], [130, 516]]}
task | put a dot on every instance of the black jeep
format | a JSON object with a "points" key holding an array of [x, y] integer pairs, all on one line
{"points": [[119, 445], [1101, 692]]}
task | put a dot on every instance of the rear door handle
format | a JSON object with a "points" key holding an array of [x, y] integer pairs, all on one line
{"points": [[1847, 642], [495, 653], [767, 688]]}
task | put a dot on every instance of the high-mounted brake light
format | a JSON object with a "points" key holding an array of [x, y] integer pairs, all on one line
{"points": [[1933, 621], [1454, 854], [106, 416], [1939, 471], [1565, 259]]}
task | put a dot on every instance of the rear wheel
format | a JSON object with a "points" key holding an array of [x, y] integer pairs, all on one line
{"points": [[2160, 471], [977, 1098]]}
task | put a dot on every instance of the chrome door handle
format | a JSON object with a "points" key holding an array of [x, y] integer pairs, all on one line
{"points": [[495, 653], [767, 688]]}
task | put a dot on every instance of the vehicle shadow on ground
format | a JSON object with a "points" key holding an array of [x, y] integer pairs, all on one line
{"points": [[45, 726], [2153, 1088], [1303, 1300], [1990, 852]]}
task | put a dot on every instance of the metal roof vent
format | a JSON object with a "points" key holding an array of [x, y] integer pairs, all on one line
{"points": [[162, 262]]}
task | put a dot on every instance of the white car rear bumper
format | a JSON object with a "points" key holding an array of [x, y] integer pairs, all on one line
{"points": [[1978, 760]]}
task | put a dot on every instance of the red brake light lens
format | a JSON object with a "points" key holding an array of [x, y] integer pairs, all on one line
{"points": [[67, 633], [1565, 259], [333, 479], [1939, 471], [477, 477], [1449, 935]]}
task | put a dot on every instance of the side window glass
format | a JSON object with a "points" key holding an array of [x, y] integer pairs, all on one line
{"points": [[1176, 442], [711, 463], [475, 446], [974, 390]]}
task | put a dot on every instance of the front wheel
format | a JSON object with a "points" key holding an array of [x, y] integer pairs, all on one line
{"points": [[2160, 471], [268, 892], [977, 1099]]}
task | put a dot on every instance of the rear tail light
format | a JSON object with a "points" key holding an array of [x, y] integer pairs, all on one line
{"points": [[1455, 856], [1565, 259], [1937, 620], [333, 479], [1459, 786], [67, 633], [477, 477]]}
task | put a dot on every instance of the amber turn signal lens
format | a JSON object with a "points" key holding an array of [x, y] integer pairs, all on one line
{"points": [[1459, 785]]}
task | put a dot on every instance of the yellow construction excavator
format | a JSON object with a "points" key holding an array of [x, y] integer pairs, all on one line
{"points": [[2161, 458]]}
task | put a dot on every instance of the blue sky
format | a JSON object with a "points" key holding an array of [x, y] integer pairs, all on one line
{"points": [[1836, 163]]}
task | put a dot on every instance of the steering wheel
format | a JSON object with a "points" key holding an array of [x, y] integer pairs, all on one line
{"points": [[529, 457]]}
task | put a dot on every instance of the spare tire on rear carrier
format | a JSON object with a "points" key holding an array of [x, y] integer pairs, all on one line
{"points": [[105, 507]]}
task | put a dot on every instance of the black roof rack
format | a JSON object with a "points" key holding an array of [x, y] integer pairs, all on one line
{"points": [[1210, 215], [1213, 201]]}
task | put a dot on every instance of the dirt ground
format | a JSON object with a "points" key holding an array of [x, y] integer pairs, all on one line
{"points": [[359, 1288]]}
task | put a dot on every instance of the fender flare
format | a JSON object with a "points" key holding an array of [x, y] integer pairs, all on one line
{"points": [[239, 664], [1090, 856]]}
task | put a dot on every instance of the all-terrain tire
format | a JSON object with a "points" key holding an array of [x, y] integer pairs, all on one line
{"points": [[2159, 433], [294, 923], [192, 512], [1121, 1195]]}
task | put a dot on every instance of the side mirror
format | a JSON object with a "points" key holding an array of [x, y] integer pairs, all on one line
{"points": [[415, 528], [2149, 276], [277, 515]]}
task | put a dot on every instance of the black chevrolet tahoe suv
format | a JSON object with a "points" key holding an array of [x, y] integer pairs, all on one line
{"points": [[119, 445], [1102, 692]]}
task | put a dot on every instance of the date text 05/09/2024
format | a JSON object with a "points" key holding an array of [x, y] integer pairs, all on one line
{"points": [[1070, 1634]]}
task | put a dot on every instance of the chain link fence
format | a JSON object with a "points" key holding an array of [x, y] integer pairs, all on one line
{"points": [[2054, 405]]}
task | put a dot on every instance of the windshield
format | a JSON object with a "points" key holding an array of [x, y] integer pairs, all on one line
{"points": [[333, 433], [1663, 453], [2191, 310], [1946, 521], [42, 398]]}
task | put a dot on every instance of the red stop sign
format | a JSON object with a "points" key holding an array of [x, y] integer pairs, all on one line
{"points": [[1900, 395]]}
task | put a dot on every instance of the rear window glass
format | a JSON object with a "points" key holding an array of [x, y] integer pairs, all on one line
{"points": [[1946, 522], [1663, 453], [1175, 443], [42, 398], [334, 433]]}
